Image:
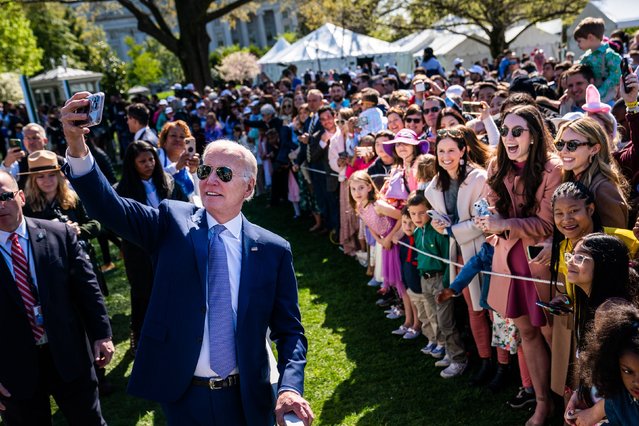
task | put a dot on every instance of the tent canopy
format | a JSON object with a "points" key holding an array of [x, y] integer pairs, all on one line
{"points": [[619, 12], [329, 42], [277, 48]]}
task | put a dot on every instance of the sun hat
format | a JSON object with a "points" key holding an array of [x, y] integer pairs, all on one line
{"points": [[406, 136], [163, 102], [476, 69], [571, 116], [42, 161], [457, 61], [168, 110], [593, 101]]}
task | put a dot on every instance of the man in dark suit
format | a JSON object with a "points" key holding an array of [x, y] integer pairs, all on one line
{"points": [[50, 309], [220, 283], [137, 118]]}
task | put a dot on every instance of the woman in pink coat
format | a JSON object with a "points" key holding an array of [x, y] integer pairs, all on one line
{"points": [[521, 182]]}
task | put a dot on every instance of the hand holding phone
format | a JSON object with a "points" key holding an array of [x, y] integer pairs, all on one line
{"points": [[435, 215], [93, 110], [625, 70], [554, 308]]}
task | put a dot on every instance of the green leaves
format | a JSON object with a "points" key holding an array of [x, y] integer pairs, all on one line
{"points": [[18, 46]]}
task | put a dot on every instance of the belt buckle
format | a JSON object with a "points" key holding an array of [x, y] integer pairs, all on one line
{"points": [[215, 384]]}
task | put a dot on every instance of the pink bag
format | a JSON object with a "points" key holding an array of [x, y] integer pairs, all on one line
{"points": [[396, 187]]}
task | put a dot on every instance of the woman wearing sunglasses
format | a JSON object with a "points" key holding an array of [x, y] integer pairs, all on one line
{"points": [[414, 120], [143, 180], [575, 218], [521, 182], [460, 182], [585, 157]]}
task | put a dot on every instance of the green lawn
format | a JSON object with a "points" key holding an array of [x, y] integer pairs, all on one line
{"points": [[357, 372]]}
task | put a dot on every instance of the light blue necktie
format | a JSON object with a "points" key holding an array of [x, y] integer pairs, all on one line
{"points": [[220, 314]]}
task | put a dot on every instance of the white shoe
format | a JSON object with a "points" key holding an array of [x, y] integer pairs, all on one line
{"points": [[411, 334], [402, 330], [444, 362], [454, 369]]}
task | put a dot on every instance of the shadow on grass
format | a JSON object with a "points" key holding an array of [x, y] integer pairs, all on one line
{"points": [[357, 372]]}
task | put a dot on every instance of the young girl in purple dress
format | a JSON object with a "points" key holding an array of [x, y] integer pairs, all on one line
{"points": [[382, 220]]}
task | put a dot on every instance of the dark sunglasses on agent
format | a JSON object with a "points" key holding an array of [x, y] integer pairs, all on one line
{"points": [[412, 120], [224, 173], [433, 110], [9, 195], [516, 131], [453, 133], [571, 145]]}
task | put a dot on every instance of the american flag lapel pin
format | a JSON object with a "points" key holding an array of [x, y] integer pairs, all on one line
{"points": [[254, 248]]}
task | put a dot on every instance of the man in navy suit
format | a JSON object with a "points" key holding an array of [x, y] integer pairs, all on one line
{"points": [[220, 283]]}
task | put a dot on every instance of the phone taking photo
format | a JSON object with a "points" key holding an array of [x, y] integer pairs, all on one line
{"points": [[554, 309], [533, 251], [94, 110], [625, 70], [15, 143], [190, 146]]}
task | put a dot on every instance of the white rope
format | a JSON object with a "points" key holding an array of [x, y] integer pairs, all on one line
{"points": [[497, 274], [448, 261]]}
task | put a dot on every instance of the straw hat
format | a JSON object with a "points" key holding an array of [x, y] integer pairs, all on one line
{"points": [[41, 162], [405, 136]]}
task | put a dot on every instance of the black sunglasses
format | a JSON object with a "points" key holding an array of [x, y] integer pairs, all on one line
{"points": [[433, 109], [9, 195], [413, 120], [516, 131], [572, 145], [224, 173]]}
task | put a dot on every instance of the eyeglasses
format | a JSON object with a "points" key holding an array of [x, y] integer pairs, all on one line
{"points": [[576, 259], [571, 145], [224, 173], [412, 120], [454, 133], [516, 131], [433, 109], [9, 195]]}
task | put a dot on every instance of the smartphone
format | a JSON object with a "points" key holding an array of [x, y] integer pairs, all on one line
{"points": [[190, 146], [362, 121], [15, 143], [533, 251], [481, 208], [435, 215], [420, 86], [625, 70], [94, 110], [554, 309], [473, 108], [343, 154]]}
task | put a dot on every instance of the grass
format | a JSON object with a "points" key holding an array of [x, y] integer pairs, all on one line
{"points": [[357, 372]]}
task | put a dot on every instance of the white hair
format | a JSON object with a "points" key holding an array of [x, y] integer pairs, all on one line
{"points": [[250, 163]]}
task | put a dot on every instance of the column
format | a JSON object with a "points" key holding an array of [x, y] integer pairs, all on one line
{"points": [[279, 28], [244, 38], [210, 29], [228, 40], [261, 31]]}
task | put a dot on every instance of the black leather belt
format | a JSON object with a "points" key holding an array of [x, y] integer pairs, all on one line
{"points": [[214, 383]]}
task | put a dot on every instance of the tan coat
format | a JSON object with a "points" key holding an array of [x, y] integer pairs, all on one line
{"points": [[465, 233], [610, 205], [530, 230]]}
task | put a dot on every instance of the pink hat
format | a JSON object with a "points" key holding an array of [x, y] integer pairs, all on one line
{"points": [[593, 101], [405, 136]]}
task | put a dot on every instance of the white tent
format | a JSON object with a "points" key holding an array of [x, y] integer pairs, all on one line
{"points": [[330, 47], [617, 14], [273, 69], [447, 45]]}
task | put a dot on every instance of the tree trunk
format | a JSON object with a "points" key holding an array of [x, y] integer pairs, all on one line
{"points": [[497, 40], [194, 55]]}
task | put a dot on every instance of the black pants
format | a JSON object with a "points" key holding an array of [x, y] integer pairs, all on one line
{"points": [[139, 272], [78, 399]]}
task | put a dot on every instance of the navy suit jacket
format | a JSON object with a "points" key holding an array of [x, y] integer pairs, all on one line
{"points": [[176, 235]]}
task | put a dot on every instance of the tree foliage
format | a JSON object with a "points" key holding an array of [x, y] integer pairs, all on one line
{"points": [[239, 66], [144, 68], [10, 89], [18, 46], [492, 17]]}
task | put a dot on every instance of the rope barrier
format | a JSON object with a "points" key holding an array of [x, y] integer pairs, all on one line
{"points": [[448, 261]]}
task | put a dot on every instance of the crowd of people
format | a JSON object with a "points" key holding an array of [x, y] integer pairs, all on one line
{"points": [[495, 207]]}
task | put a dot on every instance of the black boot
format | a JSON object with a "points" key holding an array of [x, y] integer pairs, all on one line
{"points": [[483, 374], [500, 380]]}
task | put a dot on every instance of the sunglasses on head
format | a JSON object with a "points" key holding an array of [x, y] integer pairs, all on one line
{"points": [[571, 145], [516, 131], [453, 133], [9, 195], [433, 109], [413, 120], [224, 173]]}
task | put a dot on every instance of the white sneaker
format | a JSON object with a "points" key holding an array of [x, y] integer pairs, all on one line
{"points": [[397, 313], [454, 369], [444, 362], [402, 330], [411, 334], [362, 258]]}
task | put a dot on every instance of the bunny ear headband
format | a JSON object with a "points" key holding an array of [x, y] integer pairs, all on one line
{"points": [[593, 101]]}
